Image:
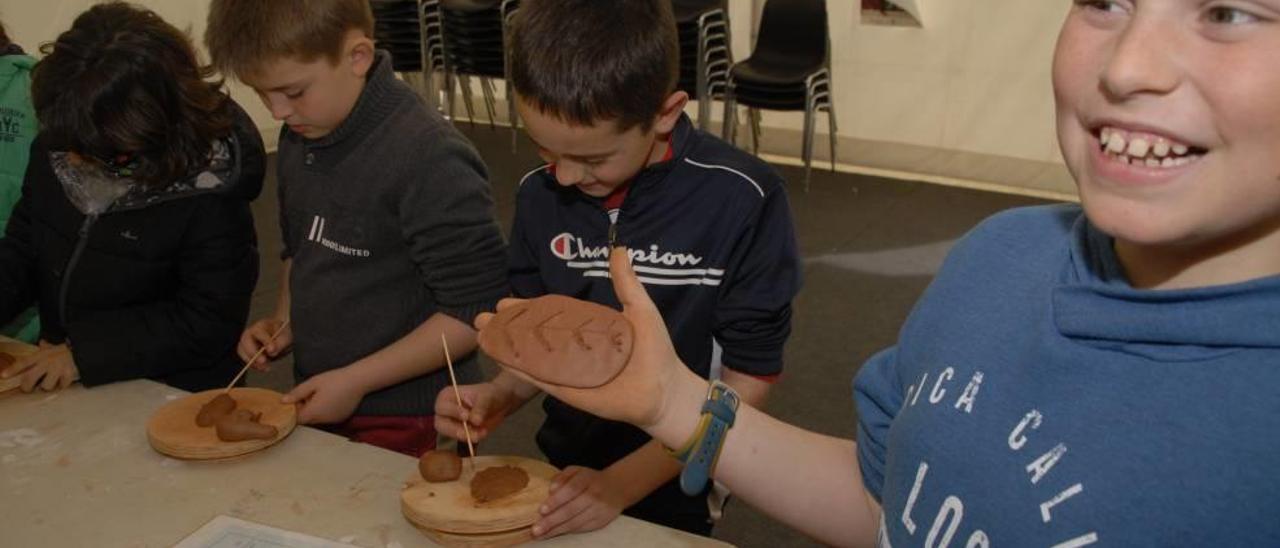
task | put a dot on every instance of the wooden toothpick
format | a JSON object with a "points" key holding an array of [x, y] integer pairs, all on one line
{"points": [[457, 394], [257, 355]]}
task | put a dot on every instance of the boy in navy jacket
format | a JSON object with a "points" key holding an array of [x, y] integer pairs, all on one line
{"points": [[709, 228]]}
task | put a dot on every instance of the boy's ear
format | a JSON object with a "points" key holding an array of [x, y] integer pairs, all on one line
{"points": [[670, 112], [360, 50]]}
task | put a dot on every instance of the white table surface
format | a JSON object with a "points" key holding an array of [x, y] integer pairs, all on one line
{"points": [[76, 470]]}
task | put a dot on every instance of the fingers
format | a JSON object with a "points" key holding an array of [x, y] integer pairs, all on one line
{"points": [[51, 380], [483, 319], [562, 505], [32, 378], [300, 393], [581, 521], [626, 285], [19, 365]]}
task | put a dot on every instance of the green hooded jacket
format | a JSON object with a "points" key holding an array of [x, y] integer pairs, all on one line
{"points": [[17, 129]]}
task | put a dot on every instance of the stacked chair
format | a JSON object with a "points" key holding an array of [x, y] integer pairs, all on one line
{"points": [[397, 29], [705, 54], [789, 70], [475, 45]]}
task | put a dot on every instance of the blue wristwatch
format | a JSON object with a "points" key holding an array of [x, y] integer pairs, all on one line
{"points": [[702, 451]]}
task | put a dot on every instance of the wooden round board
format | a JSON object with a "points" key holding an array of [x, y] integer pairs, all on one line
{"points": [[172, 429], [483, 540], [448, 506]]}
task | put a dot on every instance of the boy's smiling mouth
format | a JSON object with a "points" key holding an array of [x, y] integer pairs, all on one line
{"points": [[1145, 149]]}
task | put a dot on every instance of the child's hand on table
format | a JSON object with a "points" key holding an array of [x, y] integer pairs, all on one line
{"points": [[51, 368], [581, 499], [327, 398]]}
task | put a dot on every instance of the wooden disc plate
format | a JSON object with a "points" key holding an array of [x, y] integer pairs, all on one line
{"points": [[16, 349], [172, 429], [448, 507], [482, 540]]}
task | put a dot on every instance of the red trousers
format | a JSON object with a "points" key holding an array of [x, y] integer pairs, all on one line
{"points": [[411, 435]]}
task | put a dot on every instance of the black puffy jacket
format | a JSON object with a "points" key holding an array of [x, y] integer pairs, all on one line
{"points": [[157, 286]]}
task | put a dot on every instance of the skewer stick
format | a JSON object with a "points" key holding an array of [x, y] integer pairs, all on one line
{"points": [[454, 381], [255, 357]]}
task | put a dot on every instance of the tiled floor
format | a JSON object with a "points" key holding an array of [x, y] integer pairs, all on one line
{"points": [[870, 247]]}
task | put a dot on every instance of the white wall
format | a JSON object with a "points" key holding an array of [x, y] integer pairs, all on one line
{"points": [[975, 78], [33, 22]]}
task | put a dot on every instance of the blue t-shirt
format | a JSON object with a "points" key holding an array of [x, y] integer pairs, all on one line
{"points": [[1036, 399]]}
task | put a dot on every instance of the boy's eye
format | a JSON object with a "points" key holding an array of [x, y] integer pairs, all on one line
{"points": [[1101, 5], [295, 94], [1225, 15]]}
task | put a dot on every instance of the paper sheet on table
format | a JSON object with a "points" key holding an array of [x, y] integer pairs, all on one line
{"points": [[229, 532]]}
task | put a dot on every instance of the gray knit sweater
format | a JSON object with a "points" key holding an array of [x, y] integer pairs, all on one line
{"points": [[388, 220]]}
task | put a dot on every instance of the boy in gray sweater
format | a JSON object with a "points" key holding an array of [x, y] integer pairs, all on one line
{"points": [[385, 211]]}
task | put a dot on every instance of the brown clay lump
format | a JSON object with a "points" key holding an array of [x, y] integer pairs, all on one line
{"points": [[217, 408], [6, 360], [560, 340], [243, 424], [440, 466], [497, 482]]}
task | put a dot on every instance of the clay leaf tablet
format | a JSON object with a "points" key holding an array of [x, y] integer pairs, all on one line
{"points": [[560, 340], [498, 481]]}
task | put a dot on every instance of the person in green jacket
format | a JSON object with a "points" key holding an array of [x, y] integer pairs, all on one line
{"points": [[17, 129]]}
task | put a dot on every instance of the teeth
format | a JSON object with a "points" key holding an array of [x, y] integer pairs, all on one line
{"points": [[1138, 147], [1161, 149], [1116, 143], [1167, 162], [1152, 162], [1179, 149]]}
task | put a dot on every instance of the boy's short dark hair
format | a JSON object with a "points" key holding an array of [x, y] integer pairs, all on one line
{"points": [[122, 81], [244, 34], [4, 37], [589, 60]]}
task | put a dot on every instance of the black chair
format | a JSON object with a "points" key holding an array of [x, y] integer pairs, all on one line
{"points": [[789, 70], [475, 45], [705, 56], [410, 31]]}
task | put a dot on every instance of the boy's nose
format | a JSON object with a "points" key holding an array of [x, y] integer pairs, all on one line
{"points": [[280, 109], [1143, 60], [570, 173]]}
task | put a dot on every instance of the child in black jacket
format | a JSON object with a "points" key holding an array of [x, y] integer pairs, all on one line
{"points": [[133, 234]]}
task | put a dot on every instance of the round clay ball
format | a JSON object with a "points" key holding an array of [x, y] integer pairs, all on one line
{"points": [[440, 465]]}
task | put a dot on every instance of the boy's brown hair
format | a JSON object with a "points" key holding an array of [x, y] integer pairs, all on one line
{"points": [[585, 61], [243, 34]]}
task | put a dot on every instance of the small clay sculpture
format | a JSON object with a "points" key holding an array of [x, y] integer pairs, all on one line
{"points": [[243, 424], [497, 482], [217, 408], [440, 466], [560, 340]]}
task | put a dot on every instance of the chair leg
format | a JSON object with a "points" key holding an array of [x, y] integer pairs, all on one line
{"points": [[753, 114], [449, 94], [807, 146], [831, 126], [465, 82], [700, 89], [514, 118], [730, 128], [486, 88]]}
